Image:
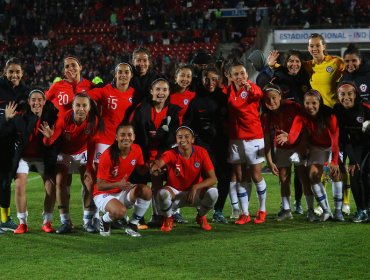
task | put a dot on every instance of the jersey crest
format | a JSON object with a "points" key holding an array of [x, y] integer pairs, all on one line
{"points": [[363, 87], [329, 69]]}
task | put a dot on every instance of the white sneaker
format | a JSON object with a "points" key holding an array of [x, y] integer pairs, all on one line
{"points": [[235, 214], [131, 230], [326, 215], [104, 228], [346, 209]]}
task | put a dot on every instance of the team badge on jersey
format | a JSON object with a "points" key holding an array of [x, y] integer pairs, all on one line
{"points": [[244, 94], [186, 101], [87, 131], [98, 155], [363, 87], [360, 119], [196, 164], [133, 162], [329, 69], [130, 100]]}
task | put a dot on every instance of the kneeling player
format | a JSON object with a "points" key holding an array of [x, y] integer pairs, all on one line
{"points": [[185, 186], [113, 195]]}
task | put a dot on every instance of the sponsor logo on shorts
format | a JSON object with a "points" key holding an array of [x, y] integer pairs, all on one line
{"points": [[363, 87], [105, 195], [196, 164], [329, 69], [133, 162]]}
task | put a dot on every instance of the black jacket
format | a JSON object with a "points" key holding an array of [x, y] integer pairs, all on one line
{"points": [[142, 123], [142, 86], [361, 78]]}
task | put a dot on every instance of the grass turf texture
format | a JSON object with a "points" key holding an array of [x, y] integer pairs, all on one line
{"points": [[293, 249]]}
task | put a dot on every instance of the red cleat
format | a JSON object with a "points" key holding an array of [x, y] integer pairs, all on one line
{"points": [[167, 224], [22, 228], [47, 228], [260, 217], [243, 219], [202, 221]]}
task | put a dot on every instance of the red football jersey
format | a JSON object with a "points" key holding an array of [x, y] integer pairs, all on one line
{"points": [[183, 173], [114, 105], [62, 93], [114, 173], [244, 113], [33, 148], [182, 100], [325, 137], [288, 118]]}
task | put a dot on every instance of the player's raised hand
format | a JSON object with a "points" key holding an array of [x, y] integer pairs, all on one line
{"points": [[10, 110], [46, 130]]}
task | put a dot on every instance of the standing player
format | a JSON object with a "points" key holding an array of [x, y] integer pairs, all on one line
{"points": [[12, 88], [246, 138], [113, 193], [187, 164], [76, 130]]}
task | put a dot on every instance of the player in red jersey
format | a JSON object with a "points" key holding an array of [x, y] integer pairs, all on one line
{"points": [[76, 130], [246, 138], [186, 164], [62, 93], [323, 131], [113, 193], [181, 95], [115, 99], [285, 118]]}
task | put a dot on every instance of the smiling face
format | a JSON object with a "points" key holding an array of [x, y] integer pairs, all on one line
{"points": [[272, 100], [238, 75], [316, 48], [81, 108], [311, 104], [123, 75], [36, 102], [125, 136], [73, 67], [293, 65], [210, 81], [347, 96], [351, 62], [184, 139], [184, 78], [141, 62], [14, 74], [160, 92]]}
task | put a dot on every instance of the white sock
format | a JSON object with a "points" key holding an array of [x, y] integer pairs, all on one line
{"points": [[233, 196], [106, 218], [140, 207], [309, 201], [65, 218], [88, 216], [165, 202], [320, 194], [22, 217], [243, 198], [47, 217], [337, 194], [208, 201], [261, 192], [285, 202]]}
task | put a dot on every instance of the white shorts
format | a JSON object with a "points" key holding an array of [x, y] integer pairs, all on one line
{"points": [[73, 162], [285, 157], [318, 155], [25, 164], [99, 149], [243, 151], [181, 200], [102, 200]]}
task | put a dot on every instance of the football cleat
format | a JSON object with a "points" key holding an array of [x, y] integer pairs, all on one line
{"points": [[167, 224], [360, 216], [243, 219], [179, 219], [89, 228], [284, 215], [298, 207], [1, 231], [65, 228], [235, 214], [311, 216], [326, 215], [132, 230], [218, 217], [9, 225], [104, 228], [338, 215], [202, 221], [260, 217], [21, 229], [47, 227], [346, 209]]}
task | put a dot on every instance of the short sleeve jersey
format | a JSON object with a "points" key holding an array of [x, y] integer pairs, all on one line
{"points": [[183, 172], [111, 173]]}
